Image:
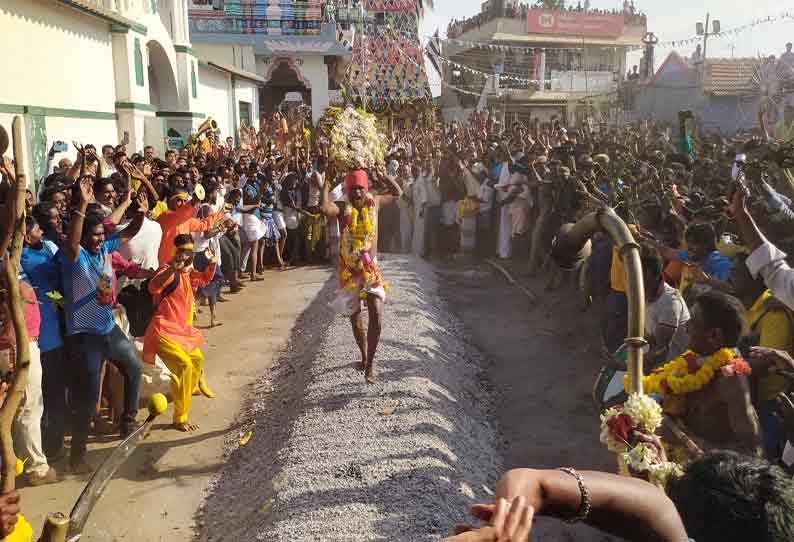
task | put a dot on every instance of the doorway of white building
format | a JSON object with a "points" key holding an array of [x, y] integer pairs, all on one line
{"points": [[284, 79], [163, 95]]}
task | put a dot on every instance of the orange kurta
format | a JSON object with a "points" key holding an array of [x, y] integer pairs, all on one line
{"points": [[181, 221], [173, 317]]}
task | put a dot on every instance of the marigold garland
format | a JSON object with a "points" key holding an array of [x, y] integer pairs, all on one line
{"points": [[358, 271], [682, 375]]}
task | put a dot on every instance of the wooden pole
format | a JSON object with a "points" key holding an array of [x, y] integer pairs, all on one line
{"points": [[16, 205]]}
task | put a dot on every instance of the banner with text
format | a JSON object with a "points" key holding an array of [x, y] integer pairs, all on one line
{"points": [[578, 23]]}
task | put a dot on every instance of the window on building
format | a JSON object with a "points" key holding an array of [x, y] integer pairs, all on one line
{"points": [[138, 59], [193, 82], [245, 112]]}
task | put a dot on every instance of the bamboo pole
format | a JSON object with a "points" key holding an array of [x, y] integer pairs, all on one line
{"points": [[11, 269]]}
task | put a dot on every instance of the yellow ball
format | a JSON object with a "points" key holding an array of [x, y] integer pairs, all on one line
{"points": [[20, 467], [158, 404]]}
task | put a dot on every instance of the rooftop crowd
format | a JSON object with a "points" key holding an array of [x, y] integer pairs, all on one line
{"points": [[513, 10], [124, 250]]}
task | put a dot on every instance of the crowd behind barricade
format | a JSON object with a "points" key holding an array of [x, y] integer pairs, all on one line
{"points": [[125, 250], [456, 27], [719, 324]]}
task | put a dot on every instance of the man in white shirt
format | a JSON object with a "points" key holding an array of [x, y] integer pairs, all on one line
{"points": [[405, 205], [666, 313], [419, 196], [108, 165], [765, 259], [502, 171], [515, 207], [143, 248]]}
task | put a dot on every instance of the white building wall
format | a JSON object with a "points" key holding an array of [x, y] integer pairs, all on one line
{"points": [[98, 132], [247, 91], [214, 98], [316, 72], [238, 56], [44, 43]]}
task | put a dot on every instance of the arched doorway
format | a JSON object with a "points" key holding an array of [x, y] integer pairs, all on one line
{"points": [[163, 95], [283, 78], [163, 92]]}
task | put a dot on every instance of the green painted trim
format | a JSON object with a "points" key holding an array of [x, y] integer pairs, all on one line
{"points": [[140, 29], [181, 114], [79, 114], [185, 49], [138, 59], [56, 112], [193, 80], [133, 105], [119, 29], [14, 109]]}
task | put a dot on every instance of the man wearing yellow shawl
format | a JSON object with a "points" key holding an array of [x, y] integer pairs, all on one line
{"points": [[360, 279]]}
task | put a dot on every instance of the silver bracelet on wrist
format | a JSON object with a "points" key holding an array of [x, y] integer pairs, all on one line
{"points": [[584, 507]]}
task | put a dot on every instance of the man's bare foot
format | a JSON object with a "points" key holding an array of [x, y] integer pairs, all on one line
{"points": [[369, 374], [186, 427], [362, 366]]}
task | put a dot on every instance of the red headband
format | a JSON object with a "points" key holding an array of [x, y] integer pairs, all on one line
{"points": [[356, 179]]}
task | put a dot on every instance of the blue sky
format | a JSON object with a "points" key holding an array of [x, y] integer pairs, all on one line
{"points": [[670, 20]]}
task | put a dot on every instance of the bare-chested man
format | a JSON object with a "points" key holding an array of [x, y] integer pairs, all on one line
{"points": [[721, 415], [360, 279]]}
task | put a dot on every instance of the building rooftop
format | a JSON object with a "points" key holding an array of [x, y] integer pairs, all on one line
{"points": [[730, 76], [621, 41], [234, 71], [95, 8]]}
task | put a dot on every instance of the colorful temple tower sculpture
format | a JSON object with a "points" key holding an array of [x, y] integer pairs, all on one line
{"points": [[288, 47], [388, 64]]}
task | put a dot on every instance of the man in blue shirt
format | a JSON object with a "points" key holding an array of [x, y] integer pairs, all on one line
{"points": [[41, 267], [87, 280], [701, 241]]}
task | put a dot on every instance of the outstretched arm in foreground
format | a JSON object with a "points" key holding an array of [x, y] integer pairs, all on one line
{"points": [[623, 506]]}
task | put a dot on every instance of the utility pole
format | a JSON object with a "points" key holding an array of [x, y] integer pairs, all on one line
{"points": [[703, 30]]}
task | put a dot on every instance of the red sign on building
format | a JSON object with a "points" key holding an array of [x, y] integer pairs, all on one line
{"points": [[577, 23]]}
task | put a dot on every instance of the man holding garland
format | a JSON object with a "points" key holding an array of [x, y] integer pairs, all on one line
{"points": [[706, 389]]}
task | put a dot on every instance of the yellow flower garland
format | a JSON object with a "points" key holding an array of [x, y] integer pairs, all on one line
{"points": [[358, 237], [679, 380]]}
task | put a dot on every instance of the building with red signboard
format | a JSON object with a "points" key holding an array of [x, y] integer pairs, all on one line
{"points": [[525, 62]]}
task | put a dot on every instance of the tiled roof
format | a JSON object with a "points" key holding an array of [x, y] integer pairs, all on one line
{"points": [[92, 7], [729, 76]]}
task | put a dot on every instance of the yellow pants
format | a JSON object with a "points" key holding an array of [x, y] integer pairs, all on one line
{"points": [[187, 369]]}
